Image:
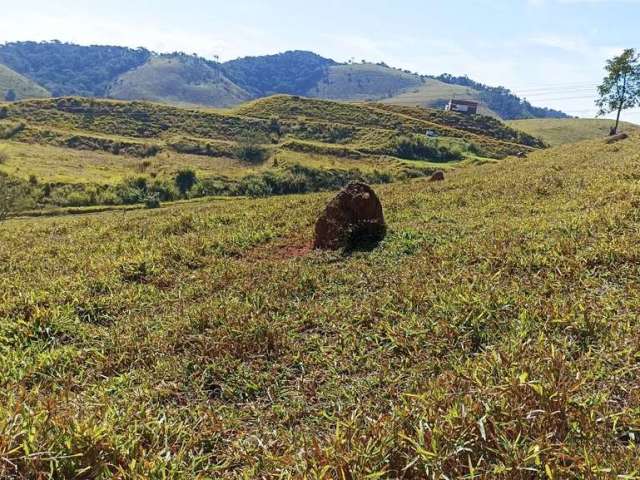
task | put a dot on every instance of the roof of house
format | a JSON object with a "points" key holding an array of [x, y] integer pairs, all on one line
{"points": [[465, 102]]}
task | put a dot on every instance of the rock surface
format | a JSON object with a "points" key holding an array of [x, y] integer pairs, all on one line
{"points": [[437, 176], [353, 218]]}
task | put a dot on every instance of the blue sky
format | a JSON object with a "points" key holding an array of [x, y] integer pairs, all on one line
{"points": [[550, 51]]}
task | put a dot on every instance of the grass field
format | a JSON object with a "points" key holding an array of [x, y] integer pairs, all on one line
{"points": [[569, 130], [493, 334], [63, 165]]}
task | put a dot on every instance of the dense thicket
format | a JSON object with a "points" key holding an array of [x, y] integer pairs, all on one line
{"points": [[67, 69], [502, 101]]}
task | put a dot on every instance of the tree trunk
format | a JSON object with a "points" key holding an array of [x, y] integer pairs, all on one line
{"points": [[622, 99]]}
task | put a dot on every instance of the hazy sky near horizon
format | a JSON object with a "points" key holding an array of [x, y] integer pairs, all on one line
{"points": [[549, 51]]}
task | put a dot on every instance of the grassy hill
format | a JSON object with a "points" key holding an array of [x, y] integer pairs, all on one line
{"points": [[493, 334], [178, 79], [20, 85], [362, 82], [562, 131], [80, 152]]}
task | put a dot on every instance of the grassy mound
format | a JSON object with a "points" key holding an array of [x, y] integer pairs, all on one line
{"points": [[388, 118], [494, 333]]}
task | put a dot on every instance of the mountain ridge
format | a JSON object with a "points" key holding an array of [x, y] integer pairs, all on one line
{"points": [[99, 71]]}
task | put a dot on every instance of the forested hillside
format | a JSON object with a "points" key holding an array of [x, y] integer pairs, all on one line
{"points": [[293, 73], [67, 69], [138, 74]]}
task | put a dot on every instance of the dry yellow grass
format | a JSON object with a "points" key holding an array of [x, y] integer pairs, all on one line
{"points": [[493, 334]]}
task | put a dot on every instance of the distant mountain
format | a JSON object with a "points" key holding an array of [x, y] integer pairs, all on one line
{"points": [[63, 69]]}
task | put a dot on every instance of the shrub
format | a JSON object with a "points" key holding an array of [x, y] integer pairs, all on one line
{"points": [[274, 125], [133, 190], [10, 130], [15, 195], [165, 190], [108, 197], [6, 197], [152, 201], [185, 180], [78, 199], [338, 134], [255, 186], [213, 186], [250, 147], [415, 147]]}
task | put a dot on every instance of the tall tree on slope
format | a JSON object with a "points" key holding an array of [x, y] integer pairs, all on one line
{"points": [[620, 89]]}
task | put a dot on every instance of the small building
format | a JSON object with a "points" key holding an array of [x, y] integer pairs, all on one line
{"points": [[462, 106]]}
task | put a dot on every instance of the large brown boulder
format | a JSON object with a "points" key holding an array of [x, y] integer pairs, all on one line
{"points": [[353, 218], [438, 176]]}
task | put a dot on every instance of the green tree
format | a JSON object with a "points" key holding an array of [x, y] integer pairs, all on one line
{"points": [[620, 89], [10, 96], [185, 179]]}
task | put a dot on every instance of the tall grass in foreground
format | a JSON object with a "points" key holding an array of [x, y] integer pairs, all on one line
{"points": [[493, 334]]}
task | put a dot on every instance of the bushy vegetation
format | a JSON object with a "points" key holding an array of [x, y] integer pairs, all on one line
{"points": [[303, 117], [4, 156], [416, 147], [185, 180], [251, 147], [15, 195], [289, 179], [492, 334]]}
